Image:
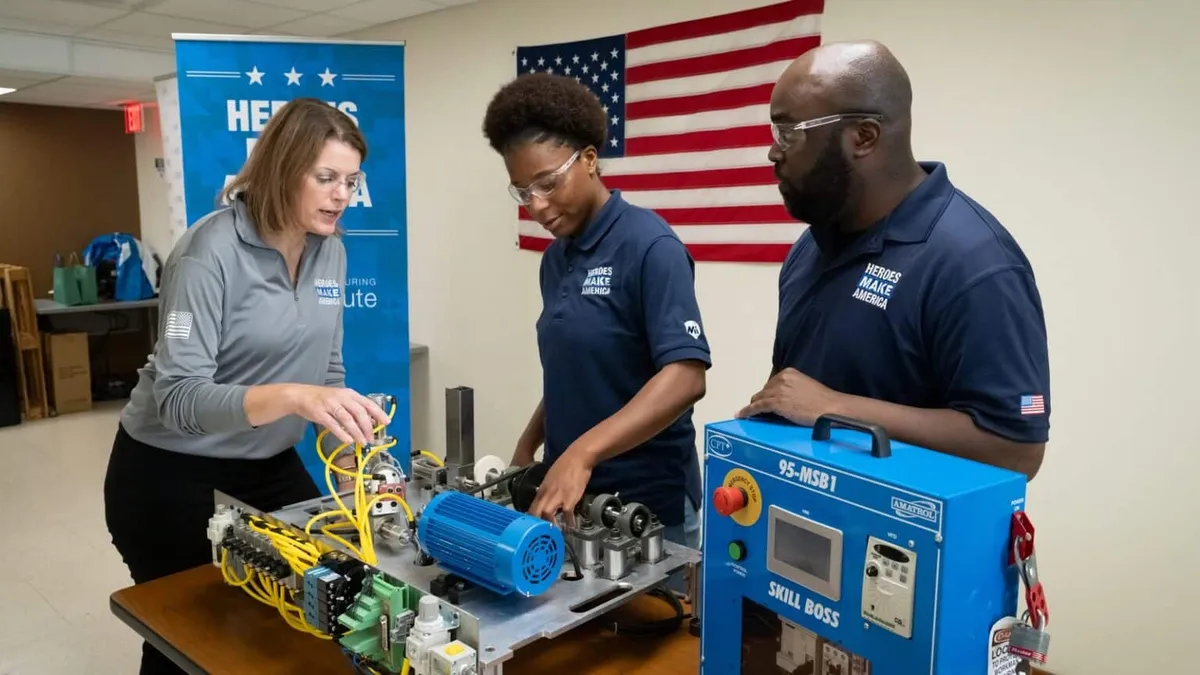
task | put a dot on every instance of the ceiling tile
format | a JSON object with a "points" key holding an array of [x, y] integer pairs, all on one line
{"points": [[46, 27], [161, 42], [58, 12], [385, 11], [308, 5], [322, 25], [155, 25], [238, 12], [20, 79], [83, 91]]}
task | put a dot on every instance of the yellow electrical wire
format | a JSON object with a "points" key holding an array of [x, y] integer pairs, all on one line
{"points": [[359, 517], [300, 554]]}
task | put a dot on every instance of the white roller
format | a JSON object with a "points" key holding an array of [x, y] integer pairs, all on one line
{"points": [[488, 467]]}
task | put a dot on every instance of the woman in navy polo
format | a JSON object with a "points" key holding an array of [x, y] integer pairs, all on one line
{"points": [[622, 350]]}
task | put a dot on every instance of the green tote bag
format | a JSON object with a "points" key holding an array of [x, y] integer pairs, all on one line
{"points": [[75, 283]]}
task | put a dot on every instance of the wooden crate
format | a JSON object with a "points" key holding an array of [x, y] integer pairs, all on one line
{"points": [[16, 293]]}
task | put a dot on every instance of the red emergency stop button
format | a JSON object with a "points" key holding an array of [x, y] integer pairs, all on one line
{"points": [[729, 500]]}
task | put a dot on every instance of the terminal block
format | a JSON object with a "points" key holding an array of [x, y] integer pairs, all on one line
{"points": [[377, 622], [329, 589]]}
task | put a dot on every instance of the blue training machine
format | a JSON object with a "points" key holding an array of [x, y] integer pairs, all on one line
{"points": [[495, 547], [835, 552]]}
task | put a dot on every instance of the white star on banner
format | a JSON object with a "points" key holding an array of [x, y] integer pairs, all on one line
{"points": [[293, 77], [326, 77], [255, 76]]}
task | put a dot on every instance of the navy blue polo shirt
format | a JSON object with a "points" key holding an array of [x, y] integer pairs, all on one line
{"points": [[934, 307], [619, 304]]}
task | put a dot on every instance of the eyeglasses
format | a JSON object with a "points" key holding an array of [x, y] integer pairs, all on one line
{"points": [[330, 181], [786, 134], [542, 187]]}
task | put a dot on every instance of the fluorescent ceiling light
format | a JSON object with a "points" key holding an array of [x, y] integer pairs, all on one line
{"points": [[6, 90]]}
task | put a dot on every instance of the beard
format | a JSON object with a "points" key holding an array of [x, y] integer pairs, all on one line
{"points": [[822, 198]]}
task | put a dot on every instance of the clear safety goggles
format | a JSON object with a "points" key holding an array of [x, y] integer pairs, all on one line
{"points": [[542, 187], [787, 134]]}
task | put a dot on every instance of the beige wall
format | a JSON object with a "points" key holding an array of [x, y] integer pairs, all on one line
{"points": [[152, 188]]}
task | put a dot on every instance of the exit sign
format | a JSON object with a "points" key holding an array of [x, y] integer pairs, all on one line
{"points": [[133, 118]]}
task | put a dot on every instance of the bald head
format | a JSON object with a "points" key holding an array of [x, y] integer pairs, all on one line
{"points": [[847, 174], [849, 77]]}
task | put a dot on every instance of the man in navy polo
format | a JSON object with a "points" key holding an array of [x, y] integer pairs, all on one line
{"points": [[905, 303]]}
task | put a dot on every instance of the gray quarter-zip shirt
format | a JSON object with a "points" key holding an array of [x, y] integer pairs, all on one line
{"points": [[230, 318]]}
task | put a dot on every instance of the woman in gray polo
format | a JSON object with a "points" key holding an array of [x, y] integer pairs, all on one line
{"points": [[248, 353]]}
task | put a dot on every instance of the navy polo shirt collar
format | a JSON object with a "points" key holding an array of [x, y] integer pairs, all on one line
{"points": [[601, 223], [913, 220], [910, 222]]}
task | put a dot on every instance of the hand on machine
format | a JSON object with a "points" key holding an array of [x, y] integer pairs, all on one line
{"points": [[421, 565]]}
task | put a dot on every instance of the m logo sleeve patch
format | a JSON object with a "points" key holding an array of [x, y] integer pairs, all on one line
{"points": [[178, 325]]}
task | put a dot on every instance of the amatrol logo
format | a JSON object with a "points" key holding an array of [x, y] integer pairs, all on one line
{"points": [[919, 510], [720, 446]]}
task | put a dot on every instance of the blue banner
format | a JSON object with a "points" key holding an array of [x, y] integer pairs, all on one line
{"points": [[229, 86]]}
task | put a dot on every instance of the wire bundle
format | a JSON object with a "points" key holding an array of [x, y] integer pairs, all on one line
{"points": [[358, 517], [271, 593]]}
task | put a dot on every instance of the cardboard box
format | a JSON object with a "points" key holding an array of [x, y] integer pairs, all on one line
{"points": [[68, 372]]}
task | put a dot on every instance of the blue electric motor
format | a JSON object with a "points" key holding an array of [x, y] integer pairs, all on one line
{"points": [[492, 546]]}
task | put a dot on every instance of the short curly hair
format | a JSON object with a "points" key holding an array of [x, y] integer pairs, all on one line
{"points": [[539, 107]]}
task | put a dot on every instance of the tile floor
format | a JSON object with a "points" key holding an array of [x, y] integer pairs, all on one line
{"points": [[59, 563]]}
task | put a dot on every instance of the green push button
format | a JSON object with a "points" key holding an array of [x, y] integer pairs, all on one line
{"points": [[737, 551]]}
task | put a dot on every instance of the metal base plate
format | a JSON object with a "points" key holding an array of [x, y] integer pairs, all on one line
{"points": [[497, 626]]}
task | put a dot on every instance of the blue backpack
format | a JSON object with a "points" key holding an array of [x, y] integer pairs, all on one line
{"points": [[125, 253]]}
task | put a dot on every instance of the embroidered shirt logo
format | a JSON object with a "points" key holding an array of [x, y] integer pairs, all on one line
{"points": [[329, 291], [178, 326], [692, 329], [876, 285], [598, 281]]}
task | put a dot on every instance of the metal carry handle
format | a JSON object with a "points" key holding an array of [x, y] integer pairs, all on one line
{"points": [[881, 445]]}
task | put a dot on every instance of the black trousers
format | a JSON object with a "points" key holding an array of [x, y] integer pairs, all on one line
{"points": [[157, 504]]}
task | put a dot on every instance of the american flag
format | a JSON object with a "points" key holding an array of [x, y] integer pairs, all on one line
{"points": [[179, 325], [1033, 404], [689, 123]]}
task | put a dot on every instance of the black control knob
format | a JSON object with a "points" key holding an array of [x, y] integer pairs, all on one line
{"points": [[872, 571]]}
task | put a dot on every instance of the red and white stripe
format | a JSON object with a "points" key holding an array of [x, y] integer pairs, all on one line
{"points": [[697, 130]]}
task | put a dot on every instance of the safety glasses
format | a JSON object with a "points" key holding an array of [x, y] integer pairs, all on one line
{"points": [[542, 187], [787, 134]]}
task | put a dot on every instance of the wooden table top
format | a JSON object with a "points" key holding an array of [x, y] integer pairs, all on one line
{"points": [[209, 627]]}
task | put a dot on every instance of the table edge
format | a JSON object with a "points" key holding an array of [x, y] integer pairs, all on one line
{"points": [[150, 635]]}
